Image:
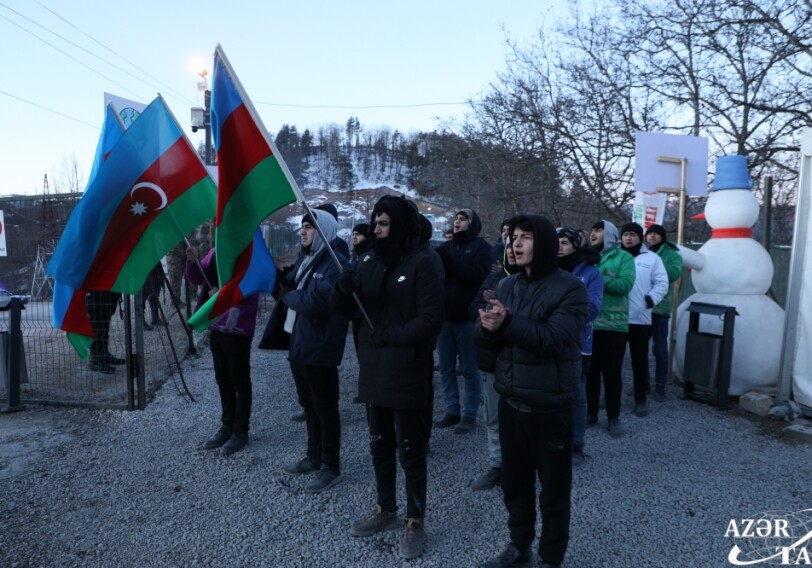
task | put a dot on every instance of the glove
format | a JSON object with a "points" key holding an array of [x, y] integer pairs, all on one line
{"points": [[445, 256], [649, 302], [282, 284], [345, 284]]}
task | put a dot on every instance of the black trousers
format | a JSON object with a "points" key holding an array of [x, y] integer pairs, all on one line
{"points": [[639, 336], [537, 445], [317, 389], [608, 348], [100, 308], [403, 431], [232, 371]]}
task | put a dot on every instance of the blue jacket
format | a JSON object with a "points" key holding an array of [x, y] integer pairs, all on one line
{"points": [[593, 281], [319, 333]]}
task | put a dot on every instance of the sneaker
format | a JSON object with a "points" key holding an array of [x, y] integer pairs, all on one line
{"points": [[591, 421], [487, 480], [100, 366], [616, 429], [659, 394], [510, 557], [641, 410], [221, 437], [304, 465], [377, 522], [466, 425], [413, 540], [447, 420], [578, 457], [298, 417], [323, 480], [238, 440]]}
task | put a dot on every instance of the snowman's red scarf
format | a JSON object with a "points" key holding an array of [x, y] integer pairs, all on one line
{"points": [[738, 233]]}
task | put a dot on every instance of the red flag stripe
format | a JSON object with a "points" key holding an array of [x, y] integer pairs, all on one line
{"points": [[230, 295], [175, 171], [242, 147]]}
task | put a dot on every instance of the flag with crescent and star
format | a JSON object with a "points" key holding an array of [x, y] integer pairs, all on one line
{"points": [[69, 307], [253, 182], [151, 191]]}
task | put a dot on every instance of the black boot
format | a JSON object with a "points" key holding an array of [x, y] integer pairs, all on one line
{"points": [[221, 437], [238, 440], [100, 365]]}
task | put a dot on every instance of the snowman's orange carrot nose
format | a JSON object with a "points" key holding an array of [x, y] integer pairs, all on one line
{"points": [[699, 217]]}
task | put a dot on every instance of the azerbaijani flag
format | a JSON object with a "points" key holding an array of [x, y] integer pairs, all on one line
{"points": [[253, 182], [151, 191], [69, 307]]}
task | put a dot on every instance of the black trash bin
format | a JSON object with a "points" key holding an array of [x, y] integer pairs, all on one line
{"points": [[709, 356]]}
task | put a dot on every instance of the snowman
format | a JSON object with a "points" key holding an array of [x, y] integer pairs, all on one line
{"points": [[732, 269]]}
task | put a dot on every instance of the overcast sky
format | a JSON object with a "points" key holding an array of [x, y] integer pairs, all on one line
{"points": [[60, 57]]}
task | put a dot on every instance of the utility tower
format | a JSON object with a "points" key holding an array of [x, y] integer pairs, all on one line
{"points": [[42, 287]]}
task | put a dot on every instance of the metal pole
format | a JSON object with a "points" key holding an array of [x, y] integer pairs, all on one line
{"points": [[15, 352], [768, 212], [138, 360], [207, 124], [128, 333]]}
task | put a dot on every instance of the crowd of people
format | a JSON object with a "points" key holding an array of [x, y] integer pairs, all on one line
{"points": [[525, 328]]}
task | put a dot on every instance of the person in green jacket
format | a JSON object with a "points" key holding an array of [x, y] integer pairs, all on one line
{"points": [[611, 326], [668, 252]]}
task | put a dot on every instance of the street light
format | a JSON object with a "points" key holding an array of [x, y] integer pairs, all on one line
{"points": [[201, 116]]}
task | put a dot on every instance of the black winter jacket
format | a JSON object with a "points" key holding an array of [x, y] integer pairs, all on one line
{"points": [[467, 259], [405, 305]]}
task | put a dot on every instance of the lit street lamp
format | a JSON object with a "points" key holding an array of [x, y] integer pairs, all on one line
{"points": [[201, 116]]}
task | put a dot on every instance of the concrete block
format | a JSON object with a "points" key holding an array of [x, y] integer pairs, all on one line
{"points": [[756, 403], [801, 431]]}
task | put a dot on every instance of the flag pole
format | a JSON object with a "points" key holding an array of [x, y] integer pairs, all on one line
{"points": [[171, 212], [218, 52]]}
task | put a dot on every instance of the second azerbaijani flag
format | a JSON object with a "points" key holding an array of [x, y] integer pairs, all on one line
{"points": [[253, 182]]}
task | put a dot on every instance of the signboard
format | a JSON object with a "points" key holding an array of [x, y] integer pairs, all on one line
{"points": [[649, 208], [650, 173], [126, 109], [2, 236]]}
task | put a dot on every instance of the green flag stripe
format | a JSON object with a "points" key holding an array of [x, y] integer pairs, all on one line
{"points": [[182, 216], [81, 343], [264, 190]]}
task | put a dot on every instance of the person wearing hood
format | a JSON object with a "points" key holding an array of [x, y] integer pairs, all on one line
{"points": [[337, 243], [650, 286], [581, 262], [317, 339], [486, 360], [658, 242], [610, 327], [467, 261], [535, 324], [402, 293]]}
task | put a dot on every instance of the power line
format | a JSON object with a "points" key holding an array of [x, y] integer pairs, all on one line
{"points": [[49, 110], [69, 56], [127, 61], [355, 107]]}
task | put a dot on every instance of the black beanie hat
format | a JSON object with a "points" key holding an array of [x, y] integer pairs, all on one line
{"points": [[658, 229], [571, 235], [362, 228], [330, 208], [632, 228]]}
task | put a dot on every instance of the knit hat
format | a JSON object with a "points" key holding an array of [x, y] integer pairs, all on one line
{"points": [[632, 228], [362, 228], [658, 229], [330, 208], [571, 235]]}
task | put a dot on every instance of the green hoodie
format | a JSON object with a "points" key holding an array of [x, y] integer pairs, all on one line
{"points": [[617, 268], [672, 260]]}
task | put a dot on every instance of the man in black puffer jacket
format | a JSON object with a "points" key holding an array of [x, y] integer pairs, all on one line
{"points": [[467, 260], [402, 294], [535, 324]]}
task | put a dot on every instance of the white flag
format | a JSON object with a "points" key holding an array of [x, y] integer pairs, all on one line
{"points": [[649, 208]]}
